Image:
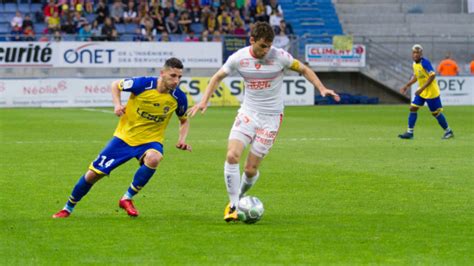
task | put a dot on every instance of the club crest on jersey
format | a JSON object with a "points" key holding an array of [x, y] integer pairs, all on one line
{"points": [[258, 65], [127, 83], [166, 109], [244, 63]]}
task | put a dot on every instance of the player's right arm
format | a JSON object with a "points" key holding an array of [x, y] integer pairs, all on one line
{"points": [[210, 89], [119, 109], [405, 88]]}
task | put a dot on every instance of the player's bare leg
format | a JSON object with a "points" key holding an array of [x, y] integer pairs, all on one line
{"points": [[235, 149], [82, 187], [411, 123], [151, 161], [251, 173]]}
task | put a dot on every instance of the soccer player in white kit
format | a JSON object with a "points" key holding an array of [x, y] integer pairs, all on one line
{"points": [[258, 120]]}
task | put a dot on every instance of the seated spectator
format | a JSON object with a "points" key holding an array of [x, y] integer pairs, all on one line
{"points": [[57, 36], [49, 10], [211, 23], [102, 11], [159, 23], [27, 22], [96, 31], [130, 14], [28, 34], [205, 13], [172, 24], [287, 29], [273, 7], [147, 30], [16, 34], [184, 23], [204, 36], [17, 20], [260, 14], [216, 36], [448, 67], [54, 23], [79, 21], [67, 24], [195, 15], [191, 37], [168, 9], [191, 4], [85, 33], [275, 19], [180, 6], [282, 41], [239, 28], [89, 7], [165, 37], [108, 32], [117, 11], [224, 22], [138, 36]]}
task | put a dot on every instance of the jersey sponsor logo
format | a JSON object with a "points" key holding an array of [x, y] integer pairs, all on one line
{"points": [[258, 84], [127, 84], [244, 63], [146, 115]]}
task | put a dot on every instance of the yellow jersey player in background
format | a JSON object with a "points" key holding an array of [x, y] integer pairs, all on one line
{"points": [[428, 91], [139, 134]]}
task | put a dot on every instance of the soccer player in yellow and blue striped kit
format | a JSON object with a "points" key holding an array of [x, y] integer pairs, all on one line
{"points": [[139, 134], [428, 91]]}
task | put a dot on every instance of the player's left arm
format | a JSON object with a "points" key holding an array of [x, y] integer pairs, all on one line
{"points": [[313, 78], [183, 133], [181, 112]]}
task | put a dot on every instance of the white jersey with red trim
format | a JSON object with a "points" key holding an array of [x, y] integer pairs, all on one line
{"points": [[263, 78]]}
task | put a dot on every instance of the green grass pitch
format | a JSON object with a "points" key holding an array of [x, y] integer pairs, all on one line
{"points": [[338, 187]]}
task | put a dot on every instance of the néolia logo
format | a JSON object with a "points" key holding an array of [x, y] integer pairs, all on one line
{"points": [[30, 54]]}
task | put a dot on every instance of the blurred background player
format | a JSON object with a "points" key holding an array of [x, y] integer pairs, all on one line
{"points": [[428, 91], [259, 118], [139, 134]]}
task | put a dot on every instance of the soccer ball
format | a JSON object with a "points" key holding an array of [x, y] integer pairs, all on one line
{"points": [[250, 209]]}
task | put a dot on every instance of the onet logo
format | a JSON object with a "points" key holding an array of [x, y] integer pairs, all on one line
{"points": [[88, 54]]}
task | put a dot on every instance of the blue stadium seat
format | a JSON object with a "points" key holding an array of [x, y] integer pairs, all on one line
{"points": [[120, 28], [4, 28], [130, 28], [197, 28], [24, 8], [35, 7], [10, 7]]}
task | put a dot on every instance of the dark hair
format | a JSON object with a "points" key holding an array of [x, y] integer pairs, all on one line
{"points": [[173, 62], [262, 30]]}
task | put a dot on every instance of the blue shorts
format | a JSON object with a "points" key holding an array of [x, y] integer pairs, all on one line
{"points": [[118, 152], [434, 104]]}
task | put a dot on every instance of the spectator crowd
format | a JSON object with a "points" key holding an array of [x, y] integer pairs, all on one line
{"points": [[153, 20]]}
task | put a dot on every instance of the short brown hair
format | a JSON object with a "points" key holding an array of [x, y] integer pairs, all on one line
{"points": [[262, 30], [173, 62]]}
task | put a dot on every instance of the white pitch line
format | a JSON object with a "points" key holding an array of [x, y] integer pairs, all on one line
{"points": [[98, 110]]}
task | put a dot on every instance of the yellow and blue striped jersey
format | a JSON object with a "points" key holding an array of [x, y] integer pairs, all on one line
{"points": [[422, 71], [148, 111]]}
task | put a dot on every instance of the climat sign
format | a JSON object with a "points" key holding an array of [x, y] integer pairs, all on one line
{"points": [[109, 54], [326, 56]]}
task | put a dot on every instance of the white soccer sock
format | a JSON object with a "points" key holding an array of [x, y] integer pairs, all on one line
{"points": [[232, 182], [247, 183]]}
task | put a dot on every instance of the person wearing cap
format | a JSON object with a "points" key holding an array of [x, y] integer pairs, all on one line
{"points": [[428, 91]]}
